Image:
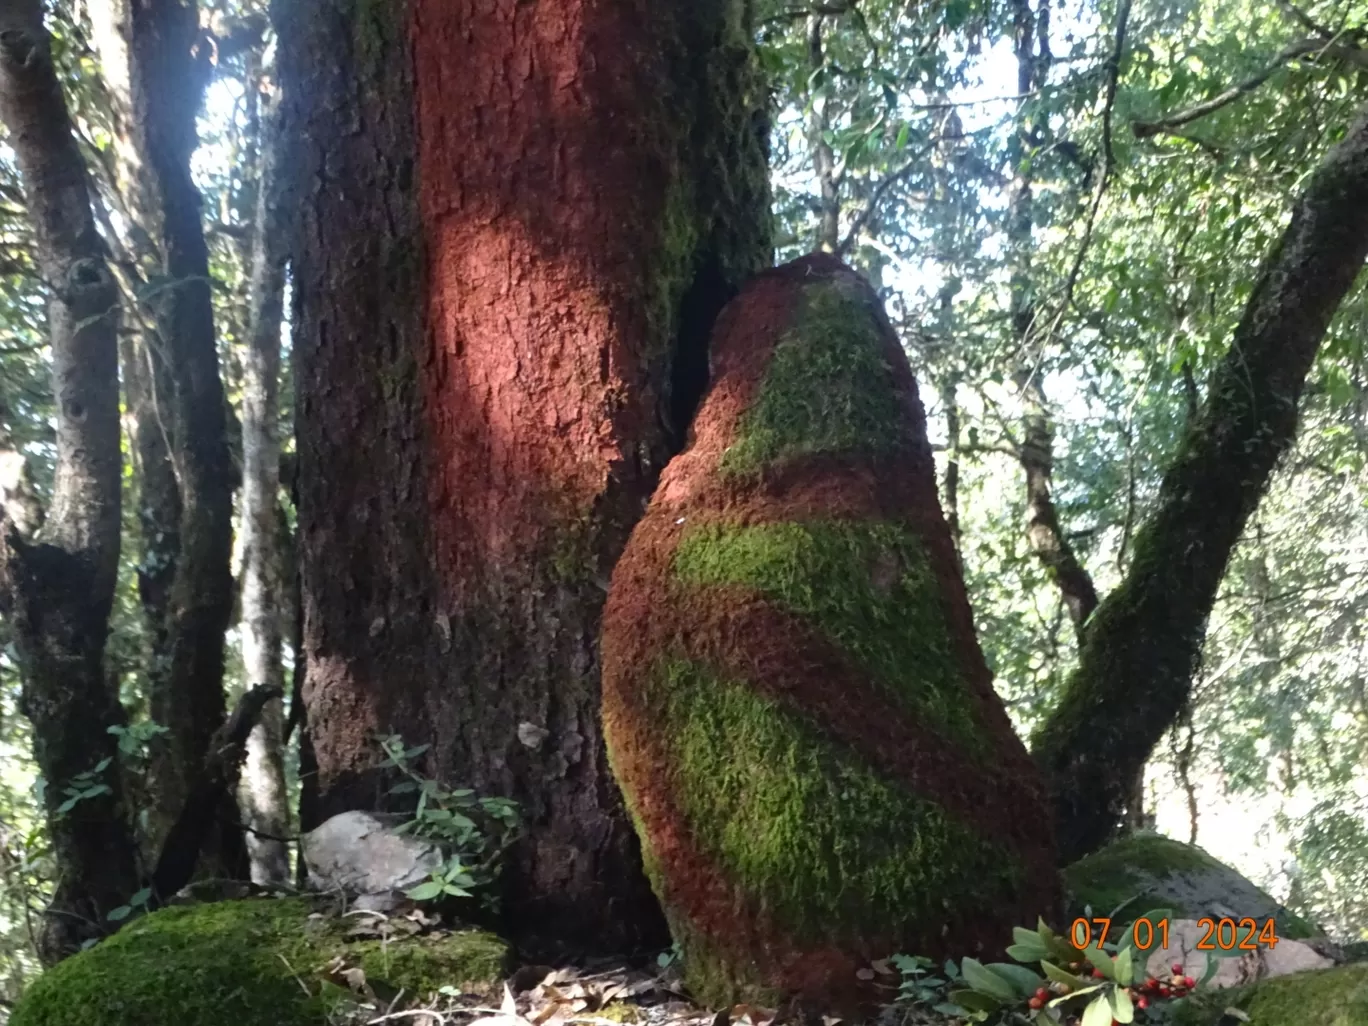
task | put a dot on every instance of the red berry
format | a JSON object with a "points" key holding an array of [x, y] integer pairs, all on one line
{"points": [[1189, 982], [1042, 993], [1098, 974], [1037, 1002], [1178, 968], [1151, 983], [1142, 1002], [1163, 991]]}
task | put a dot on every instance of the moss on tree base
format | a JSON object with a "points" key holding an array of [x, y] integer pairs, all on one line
{"points": [[795, 703], [242, 963]]}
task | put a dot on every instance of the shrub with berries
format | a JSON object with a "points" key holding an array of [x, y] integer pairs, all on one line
{"points": [[1100, 985]]}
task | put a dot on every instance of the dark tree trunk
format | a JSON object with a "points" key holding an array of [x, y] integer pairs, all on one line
{"points": [[1143, 642], [168, 62], [511, 250], [58, 585]]}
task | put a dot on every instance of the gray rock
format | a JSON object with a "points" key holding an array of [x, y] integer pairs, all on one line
{"points": [[360, 853]]}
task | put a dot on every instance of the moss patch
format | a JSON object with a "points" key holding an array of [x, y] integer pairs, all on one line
{"points": [[828, 387], [1166, 873], [240, 963], [1331, 997], [806, 828], [870, 589]]}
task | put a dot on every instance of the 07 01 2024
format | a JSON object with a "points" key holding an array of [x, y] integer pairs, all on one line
{"points": [[1219, 934]]}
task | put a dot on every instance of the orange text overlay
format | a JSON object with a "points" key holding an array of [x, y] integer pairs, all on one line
{"points": [[1217, 934]]}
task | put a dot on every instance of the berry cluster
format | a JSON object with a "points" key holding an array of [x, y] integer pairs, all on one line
{"points": [[1179, 985]]}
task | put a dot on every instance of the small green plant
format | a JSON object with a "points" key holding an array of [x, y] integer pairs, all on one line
{"points": [[473, 831], [135, 738], [137, 903], [926, 985], [84, 786]]}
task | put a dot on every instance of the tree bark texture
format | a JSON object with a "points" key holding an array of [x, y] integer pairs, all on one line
{"points": [[1143, 643], [262, 796], [518, 222], [168, 67], [58, 585]]}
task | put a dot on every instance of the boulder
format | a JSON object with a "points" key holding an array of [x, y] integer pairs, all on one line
{"points": [[794, 700], [362, 854], [1285, 957], [256, 962], [1147, 871]]}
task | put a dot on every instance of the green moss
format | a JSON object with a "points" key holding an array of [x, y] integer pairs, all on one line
{"points": [[868, 587], [1158, 872], [805, 827], [1332, 997], [828, 387], [239, 963]]}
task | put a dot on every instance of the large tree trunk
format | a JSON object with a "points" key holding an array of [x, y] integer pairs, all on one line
{"points": [[262, 794], [518, 222], [58, 586], [1144, 640], [168, 62]]}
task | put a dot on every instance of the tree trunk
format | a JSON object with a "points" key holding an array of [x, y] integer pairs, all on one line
{"points": [[511, 251], [262, 796], [58, 586], [1030, 33], [147, 385], [1143, 642], [169, 56]]}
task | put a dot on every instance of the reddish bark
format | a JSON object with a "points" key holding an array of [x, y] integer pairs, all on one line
{"points": [[480, 429], [785, 657]]}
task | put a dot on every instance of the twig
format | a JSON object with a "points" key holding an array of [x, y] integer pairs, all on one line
{"points": [[880, 190]]}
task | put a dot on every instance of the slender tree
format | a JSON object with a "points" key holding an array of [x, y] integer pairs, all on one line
{"points": [[262, 795], [57, 574], [1144, 640]]}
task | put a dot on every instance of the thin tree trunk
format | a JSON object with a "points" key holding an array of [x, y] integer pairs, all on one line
{"points": [[146, 375], [262, 795], [1143, 642], [169, 56], [58, 585], [1036, 450], [500, 332], [823, 159]]}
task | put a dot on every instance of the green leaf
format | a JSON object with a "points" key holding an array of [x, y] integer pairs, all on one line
{"points": [[141, 897], [1125, 966], [984, 981], [426, 891], [974, 1001], [117, 915], [1098, 1012], [1100, 961], [1025, 981], [1121, 1008], [1058, 975]]}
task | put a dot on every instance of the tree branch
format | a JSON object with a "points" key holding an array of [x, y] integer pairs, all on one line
{"points": [[1301, 48]]}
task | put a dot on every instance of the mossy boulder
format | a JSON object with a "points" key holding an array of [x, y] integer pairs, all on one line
{"points": [[795, 702], [244, 963], [1329, 997], [1147, 871]]}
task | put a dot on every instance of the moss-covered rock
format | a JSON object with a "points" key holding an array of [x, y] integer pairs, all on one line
{"points": [[794, 699], [1147, 871], [243, 963], [1329, 997]]}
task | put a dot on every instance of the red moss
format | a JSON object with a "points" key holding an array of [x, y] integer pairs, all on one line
{"points": [[651, 614]]}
